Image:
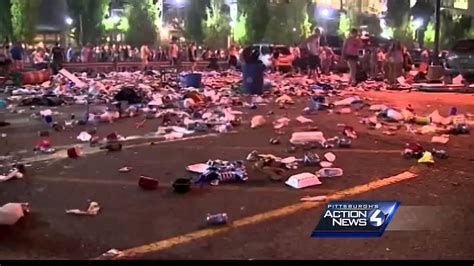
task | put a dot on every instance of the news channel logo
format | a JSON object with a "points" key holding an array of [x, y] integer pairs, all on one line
{"points": [[355, 219]]}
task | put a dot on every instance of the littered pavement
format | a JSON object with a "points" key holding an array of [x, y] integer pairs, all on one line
{"points": [[131, 217]]}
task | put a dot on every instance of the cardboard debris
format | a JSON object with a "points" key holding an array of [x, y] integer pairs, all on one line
{"points": [[258, 121], [304, 120], [92, 210], [307, 137], [440, 139]]}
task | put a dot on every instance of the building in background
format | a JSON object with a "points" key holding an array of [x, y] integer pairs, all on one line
{"points": [[465, 7]]}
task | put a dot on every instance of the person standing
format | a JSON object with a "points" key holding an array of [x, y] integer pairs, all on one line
{"points": [[69, 53], [350, 53], [38, 59], [58, 58], [395, 62], [296, 53], [233, 57], [174, 52], [192, 55], [314, 48], [17, 52], [327, 59], [144, 54]]}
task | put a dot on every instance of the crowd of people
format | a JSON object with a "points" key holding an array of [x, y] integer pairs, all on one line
{"points": [[15, 57], [313, 56], [365, 58]]}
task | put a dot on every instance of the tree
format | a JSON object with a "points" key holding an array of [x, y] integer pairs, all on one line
{"points": [[344, 24], [240, 29], [216, 25], [6, 31], [404, 33], [287, 22], [141, 18], [195, 13], [396, 10], [257, 13], [24, 17], [88, 16]]}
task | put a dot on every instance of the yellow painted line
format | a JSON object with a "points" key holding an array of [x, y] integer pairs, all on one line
{"points": [[134, 183], [263, 217]]}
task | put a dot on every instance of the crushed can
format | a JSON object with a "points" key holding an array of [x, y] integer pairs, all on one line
{"points": [[311, 159], [440, 154], [345, 142], [217, 219]]}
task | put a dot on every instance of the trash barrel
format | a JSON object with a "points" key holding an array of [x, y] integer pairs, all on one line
{"points": [[35, 77], [193, 80], [253, 78]]}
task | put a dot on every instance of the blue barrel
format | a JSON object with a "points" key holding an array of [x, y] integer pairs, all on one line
{"points": [[3, 104], [193, 80], [253, 78]]}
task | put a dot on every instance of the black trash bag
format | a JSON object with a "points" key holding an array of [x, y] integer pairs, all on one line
{"points": [[128, 95], [250, 55]]}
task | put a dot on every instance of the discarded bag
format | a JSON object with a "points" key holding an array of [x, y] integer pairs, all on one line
{"points": [[10, 213]]}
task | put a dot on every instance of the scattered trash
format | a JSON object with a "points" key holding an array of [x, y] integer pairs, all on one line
{"points": [[330, 172], [74, 152], [350, 132], [304, 120], [440, 154], [84, 137], [14, 173], [148, 183], [92, 210], [307, 137], [220, 171], [275, 141], [217, 219], [280, 123], [331, 157], [125, 169], [10, 213], [427, 158], [257, 121], [440, 139], [303, 180], [413, 150], [285, 99], [325, 164], [113, 253]]}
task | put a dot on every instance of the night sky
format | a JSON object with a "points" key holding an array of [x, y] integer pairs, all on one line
{"points": [[52, 14]]}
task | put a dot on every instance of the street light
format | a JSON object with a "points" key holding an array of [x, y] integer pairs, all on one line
{"points": [[69, 21], [325, 13], [418, 23]]}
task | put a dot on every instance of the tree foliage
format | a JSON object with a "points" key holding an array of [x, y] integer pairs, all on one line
{"points": [[142, 28], [287, 22], [88, 15], [240, 29], [396, 11], [195, 13], [6, 30], [24, 14], [344, 24], [216, 25], [257, 13]]}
